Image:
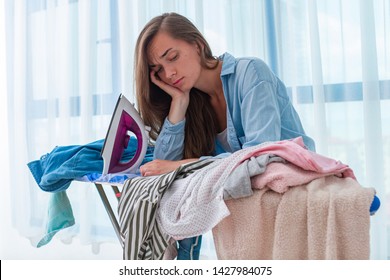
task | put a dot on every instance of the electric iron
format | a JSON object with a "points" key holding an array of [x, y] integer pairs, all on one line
{"points": [[125, 120]]}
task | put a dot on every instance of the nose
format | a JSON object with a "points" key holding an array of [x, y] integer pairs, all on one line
{"points": [[170, 72]]}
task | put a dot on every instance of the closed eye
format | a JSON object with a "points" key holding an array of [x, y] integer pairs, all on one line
{"points": [[174, 58]]}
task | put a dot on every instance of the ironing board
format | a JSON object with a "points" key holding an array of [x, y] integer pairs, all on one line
{"points": [[107, 205], [126, 119], [115, 186], [113, 182]]}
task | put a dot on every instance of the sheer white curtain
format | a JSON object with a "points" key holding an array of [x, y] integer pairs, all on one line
{"points": [[68, 60], [335, 57], [62, 85]]}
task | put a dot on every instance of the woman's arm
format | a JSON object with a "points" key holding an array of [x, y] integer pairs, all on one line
{"points": [[180, 99], [159, 166], [168, 152], [170, 142]]}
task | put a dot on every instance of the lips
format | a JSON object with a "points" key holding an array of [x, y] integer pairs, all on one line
{"points": [[177, 81]]}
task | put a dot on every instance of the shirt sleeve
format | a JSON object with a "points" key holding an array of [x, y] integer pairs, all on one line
{"points": [[260, 112], [170, 142]]}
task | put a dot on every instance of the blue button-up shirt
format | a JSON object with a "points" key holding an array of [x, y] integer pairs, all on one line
{"points": [[258, 110]]}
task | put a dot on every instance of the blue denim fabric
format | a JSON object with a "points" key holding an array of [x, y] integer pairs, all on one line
{"points": [[189, 248], [55, 171]]}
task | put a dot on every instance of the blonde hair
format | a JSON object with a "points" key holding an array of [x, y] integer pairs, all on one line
{"points": [[154, 103]]}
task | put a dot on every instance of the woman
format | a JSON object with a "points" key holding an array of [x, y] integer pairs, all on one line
{"points": [[200, 105]]}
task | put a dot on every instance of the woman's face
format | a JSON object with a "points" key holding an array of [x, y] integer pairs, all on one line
{"points": [[174, 61]]}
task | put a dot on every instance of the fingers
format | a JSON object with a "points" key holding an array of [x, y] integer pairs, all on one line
{"points": [[158, 82], [169, 89], [149, 169], [158, 167], [144, 170], [154, 77]]}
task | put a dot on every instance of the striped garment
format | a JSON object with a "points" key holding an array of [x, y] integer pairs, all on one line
{"points": [[142, 238]]}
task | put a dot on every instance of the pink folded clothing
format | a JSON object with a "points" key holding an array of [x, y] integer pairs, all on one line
{"points": [[294, 151], [280, 176]]}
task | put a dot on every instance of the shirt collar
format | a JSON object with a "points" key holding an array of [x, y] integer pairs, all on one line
{"points": [[228, 65]]}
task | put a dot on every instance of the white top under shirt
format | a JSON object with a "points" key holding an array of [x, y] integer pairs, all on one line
{"points": [[222, 139]]}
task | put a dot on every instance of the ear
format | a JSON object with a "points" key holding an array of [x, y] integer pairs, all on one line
{"points": [[199, 47]]}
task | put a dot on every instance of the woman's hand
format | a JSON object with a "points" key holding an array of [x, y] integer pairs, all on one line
{"points": [[159, 166], [180, 99]]}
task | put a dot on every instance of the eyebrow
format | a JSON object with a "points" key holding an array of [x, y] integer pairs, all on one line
{"points": [[162, 56], [165, 53]]}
